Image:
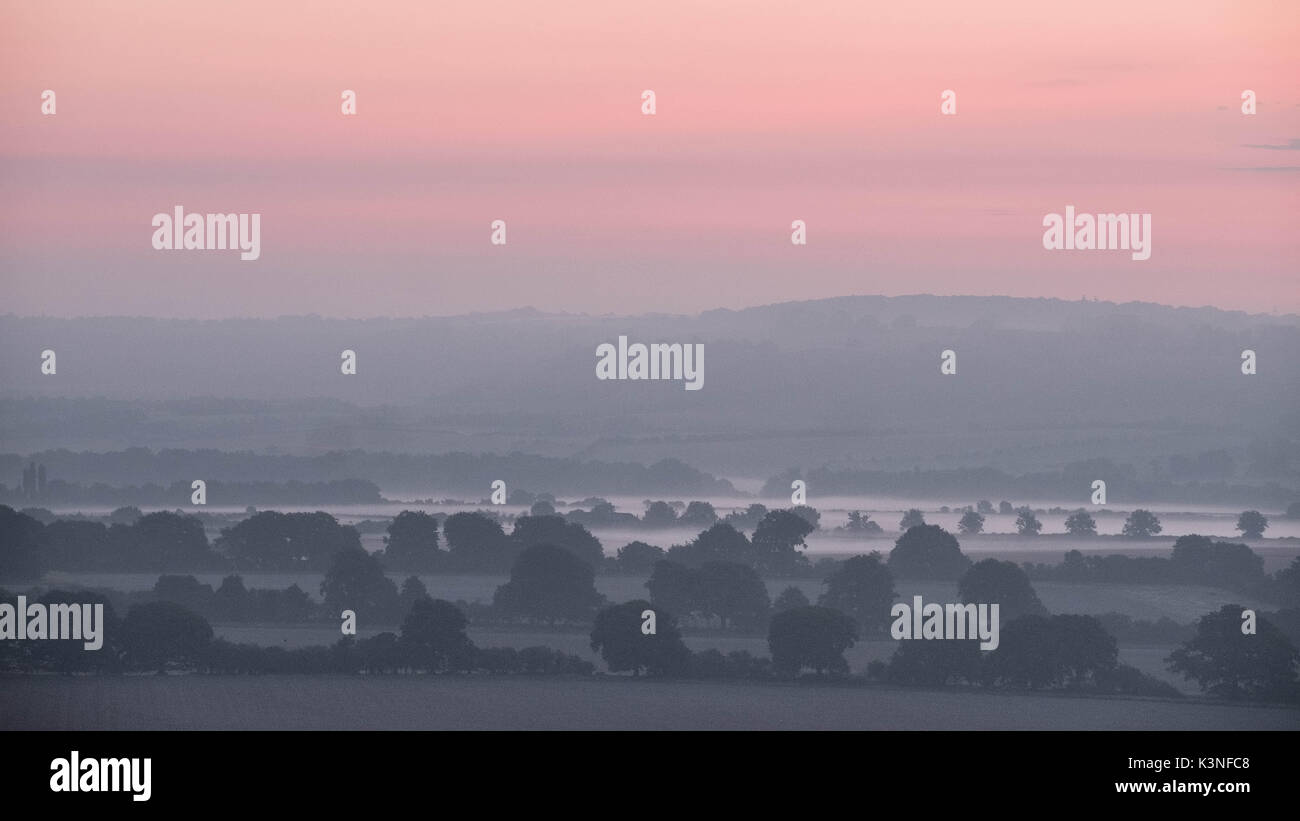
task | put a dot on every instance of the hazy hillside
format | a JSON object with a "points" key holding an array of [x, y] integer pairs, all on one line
{"points": [[848, 382]]}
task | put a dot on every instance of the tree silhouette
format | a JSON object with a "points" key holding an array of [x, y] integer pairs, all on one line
{"points": [[935, 663], [809, 514], [990, 580], [747, 518], [912, 518], [734, 593], [1201, 560], [477, 542], [863, 589], [971, 522], [1252, 524], [1053, 651], [860, 522], [412, 540], [271, 540], [22, 539], [1027, 523], [788, 599], [168, 541], [383, 653], [1230, 664], [699, 514], [1288, 583], [1141, 524], [541, 508], [356, 581], [674, 587], [231, 598], [777, 540], [549, 583], [156, 633], [659, 514], [731, 591], [531, 531], [71, 656], [927, 552], [185, 591], [434, 634], [617, 635], [813, 637], [128, 515], [1080, 523], [720, 543], [639, 557], [413, 590]]}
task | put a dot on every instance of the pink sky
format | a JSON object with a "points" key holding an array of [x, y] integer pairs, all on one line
{"points": [[530, 112]]}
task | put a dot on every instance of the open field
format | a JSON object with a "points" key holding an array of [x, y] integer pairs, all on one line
{"points": [[500, 703]]}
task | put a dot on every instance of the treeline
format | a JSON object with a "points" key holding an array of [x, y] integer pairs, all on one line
{"points": [[231, 601], [705, 584], [453, 472], [703, 601], [158, 542], [661, 514], [731, 595], [1037, 652], [1197, 560], [178, 493], [163, 635], [1076, 653], [469, 542], [476, 542], [554, 585], [1074, 480]]}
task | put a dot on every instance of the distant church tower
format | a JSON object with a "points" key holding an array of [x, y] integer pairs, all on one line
{"points": [[40, 482], [29, 481]]}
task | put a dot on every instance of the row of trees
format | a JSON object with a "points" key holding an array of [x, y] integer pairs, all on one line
{"points": [[462, 542], [159, 542], [930, 552], [1036, 651], [1193, 560], [661, 514], [714, 578], [477, 542], [163, 635], [232, 601], [1121, 480], [1139, 524], [178, 493], [1076, 652], [731, 594], [551, 585], [272, 541]]}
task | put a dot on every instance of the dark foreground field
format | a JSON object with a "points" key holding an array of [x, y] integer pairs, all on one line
{"points": [[462, 703]]}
